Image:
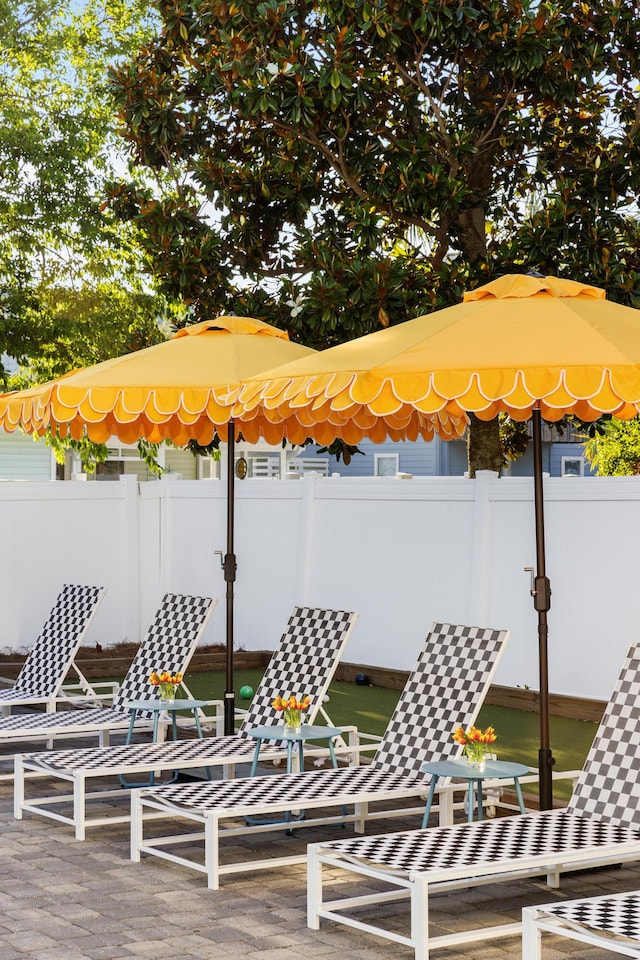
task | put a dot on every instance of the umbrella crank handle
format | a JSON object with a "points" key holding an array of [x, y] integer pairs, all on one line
{"points": [[229, 565], [540, 591]]}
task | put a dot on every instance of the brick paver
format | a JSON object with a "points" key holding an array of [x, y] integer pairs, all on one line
{"points": [[64, 900]]}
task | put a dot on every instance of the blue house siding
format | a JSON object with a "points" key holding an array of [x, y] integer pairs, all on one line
{"points": [[22, 458], [446, 458]]}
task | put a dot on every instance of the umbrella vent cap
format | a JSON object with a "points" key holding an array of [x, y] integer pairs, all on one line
{"points": [[524, 285], [235, 325]]}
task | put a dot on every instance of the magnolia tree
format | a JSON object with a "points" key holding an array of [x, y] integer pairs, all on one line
{"points": [[340, 166]]}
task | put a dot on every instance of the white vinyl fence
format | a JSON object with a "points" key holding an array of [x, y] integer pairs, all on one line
{"points": [[400, 552]]}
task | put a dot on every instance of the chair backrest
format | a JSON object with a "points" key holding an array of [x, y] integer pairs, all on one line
{"points": [[609, 786], [445, 690], [51, 656], [169, 645], [304, 662]]}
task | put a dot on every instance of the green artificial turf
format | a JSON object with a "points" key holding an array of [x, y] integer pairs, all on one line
{"points": [[369, 708]]}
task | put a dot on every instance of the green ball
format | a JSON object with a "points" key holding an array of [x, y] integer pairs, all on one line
{"points": [[246, 693]]}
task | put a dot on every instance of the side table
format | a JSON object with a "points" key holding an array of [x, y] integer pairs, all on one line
{"points": [[307, 732], [278, 732], [461, 770], [156, 707]]}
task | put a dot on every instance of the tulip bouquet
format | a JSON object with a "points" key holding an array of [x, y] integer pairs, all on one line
{"points": [[477, 743], [292, 708], [167, 683]]}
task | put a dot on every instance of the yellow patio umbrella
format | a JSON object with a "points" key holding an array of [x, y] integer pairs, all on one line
{"points": [[529, 346], [180, 390]]}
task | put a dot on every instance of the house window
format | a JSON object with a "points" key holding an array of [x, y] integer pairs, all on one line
{"points": [[385, 464], [572, 466]]}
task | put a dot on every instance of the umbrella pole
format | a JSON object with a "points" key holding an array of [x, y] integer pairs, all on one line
{"points": [[542, 603], [230, 567]]}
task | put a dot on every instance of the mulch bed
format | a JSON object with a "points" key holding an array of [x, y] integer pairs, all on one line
{"points": [[97, 661]]}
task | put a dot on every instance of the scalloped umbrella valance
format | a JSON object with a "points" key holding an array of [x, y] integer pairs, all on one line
{"points": [[180, 390], [532, 347]]}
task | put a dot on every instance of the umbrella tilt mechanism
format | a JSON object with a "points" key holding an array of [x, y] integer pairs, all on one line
{"points": [[540, 591]]}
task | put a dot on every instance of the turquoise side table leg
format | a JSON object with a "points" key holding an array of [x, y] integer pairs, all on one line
{"points": [[471, 799], [516, 783], [134, 714], [480, 800], [427, 809], [196, 718], [197, 723], [256, 754]]}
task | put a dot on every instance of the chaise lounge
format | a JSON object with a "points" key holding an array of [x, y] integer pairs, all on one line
{"points": [[41, 681], [447, 686], [601, 825]]}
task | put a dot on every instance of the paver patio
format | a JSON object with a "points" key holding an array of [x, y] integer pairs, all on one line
{"points": [[65, 900]]}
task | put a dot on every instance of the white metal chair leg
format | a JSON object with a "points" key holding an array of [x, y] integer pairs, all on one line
{"points": [[212, 851], [136, 825], [420, 917], [531, 935], [360, 810], [18, 786], [79, 806], [314, 887]]}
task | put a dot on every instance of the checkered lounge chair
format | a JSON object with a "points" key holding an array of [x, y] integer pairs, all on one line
{"points": [[609, 922], [304, 661], [448, 685], [41, 680], [170, 642], [601, 825]]}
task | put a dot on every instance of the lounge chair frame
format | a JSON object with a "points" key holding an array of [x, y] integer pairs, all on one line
{"points": [[448, 685], [600, 826]]}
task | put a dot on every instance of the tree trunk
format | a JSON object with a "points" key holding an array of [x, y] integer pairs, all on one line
{"points": [[484, 451]]}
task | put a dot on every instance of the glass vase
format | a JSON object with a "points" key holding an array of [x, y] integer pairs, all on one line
{"points": [[292, 721], [476, 754], [168, 692]]}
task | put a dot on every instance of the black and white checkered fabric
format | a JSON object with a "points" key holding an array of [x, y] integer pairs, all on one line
{"points": [[447, 688], [617, 915], [304, 662], [169, 643], [309, 789], [169, 752], [505, 840], [609, 785], [48, 661], [298, 657]]}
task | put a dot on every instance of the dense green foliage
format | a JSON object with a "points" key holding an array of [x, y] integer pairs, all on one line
{"points": [[72, 286], [614, 449]]}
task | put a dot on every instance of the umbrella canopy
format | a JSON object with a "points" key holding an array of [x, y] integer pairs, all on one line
{"points": [[180, 390], [528, 346], [516, 344]]}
